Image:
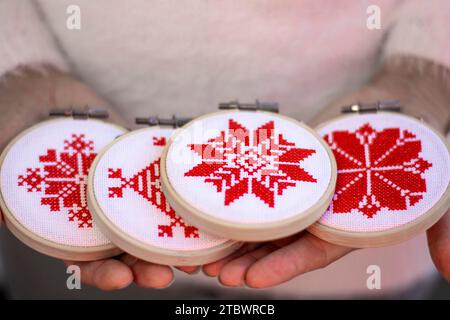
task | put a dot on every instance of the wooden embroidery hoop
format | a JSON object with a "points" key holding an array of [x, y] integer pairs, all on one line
{"points": [[251, 232], [394, 235], [139, 248], [40, 244]]}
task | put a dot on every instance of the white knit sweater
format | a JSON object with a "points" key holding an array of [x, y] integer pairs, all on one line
{"points": [[183, 57]]}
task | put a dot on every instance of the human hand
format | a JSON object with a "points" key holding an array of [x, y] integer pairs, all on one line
{"points": [[26, 97], [416, 83], [272, 263], [439, 245], [113, 274]]}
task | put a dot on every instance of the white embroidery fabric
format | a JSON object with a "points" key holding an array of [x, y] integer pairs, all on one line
{"points": [[43, 180], [277, 177], [126, 185], [412, 175]]}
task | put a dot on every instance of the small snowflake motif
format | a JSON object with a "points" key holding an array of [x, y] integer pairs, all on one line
{"points": [[377, 169], [147, 184], [62, 179], [259, 162], [159, 141]]}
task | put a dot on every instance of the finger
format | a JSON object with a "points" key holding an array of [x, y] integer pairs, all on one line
{"points": [[147, 274], [213, 269], [232, 274], [189, 269], [305, 254], [439, 244], [107, 274], [150, 275]]}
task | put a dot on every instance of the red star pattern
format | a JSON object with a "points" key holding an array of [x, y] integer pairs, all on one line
{"points": [[259, 162], [62, 179], [148, 185], [377, 169], [159, 141]]}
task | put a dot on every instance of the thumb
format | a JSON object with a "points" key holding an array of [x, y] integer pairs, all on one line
{"points": [[439, 245]]}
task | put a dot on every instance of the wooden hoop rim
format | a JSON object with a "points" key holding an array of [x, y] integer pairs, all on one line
{"points": [[40, 244], [391, 236], [139, 248], [254, 232]]}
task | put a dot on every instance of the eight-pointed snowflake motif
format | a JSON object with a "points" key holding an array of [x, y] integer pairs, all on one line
{"points": [[147, 184], [377, 169], [259, 162], [62, 179]]}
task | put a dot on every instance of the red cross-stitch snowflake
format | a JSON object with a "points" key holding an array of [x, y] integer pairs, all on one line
{"points": [[159, 141], [148, 185], [377, 169], [259, 162], [62, 179]]}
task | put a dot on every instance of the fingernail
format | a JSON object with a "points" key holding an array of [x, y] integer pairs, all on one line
{"points": [[168, 285], [205, 274], [240, 285], [197, 271]]}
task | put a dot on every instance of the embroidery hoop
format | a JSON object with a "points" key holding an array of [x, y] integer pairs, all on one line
{"points": [[139, 248], [38, 243], [394, 235], [250, 232]]}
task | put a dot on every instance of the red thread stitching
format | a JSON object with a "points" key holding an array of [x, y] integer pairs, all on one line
{"points": [[148, 185], [159, 141], [241, 162], [63, 178], [377, 169]]}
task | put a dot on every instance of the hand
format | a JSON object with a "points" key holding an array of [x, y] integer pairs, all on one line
{"points": [[113, 274], [25, 99], [439, 245], [269, 264], [255, 265], [416, 83], [118, 273]]}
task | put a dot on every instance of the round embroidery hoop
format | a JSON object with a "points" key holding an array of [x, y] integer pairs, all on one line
{"points": [[150, 229], [78, 239], [265, 207], [425, 148]]}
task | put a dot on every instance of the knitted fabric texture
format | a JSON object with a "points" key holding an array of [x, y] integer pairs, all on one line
{"points": [[44, 179], [127, 188], [248, 167], [391, 170]]}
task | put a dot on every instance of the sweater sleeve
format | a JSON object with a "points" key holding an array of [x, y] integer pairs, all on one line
{"points": [[422, 29], [25, 39]]}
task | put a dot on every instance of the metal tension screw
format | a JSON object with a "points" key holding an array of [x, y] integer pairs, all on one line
{"points": [[156, 121], [263, 106], [80, 113], [386, 105]]}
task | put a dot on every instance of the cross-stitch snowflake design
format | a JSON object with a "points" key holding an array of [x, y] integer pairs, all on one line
{"points": [[159, 141], [260, 162], [62, 178], [377, 169], [148, 185]]}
